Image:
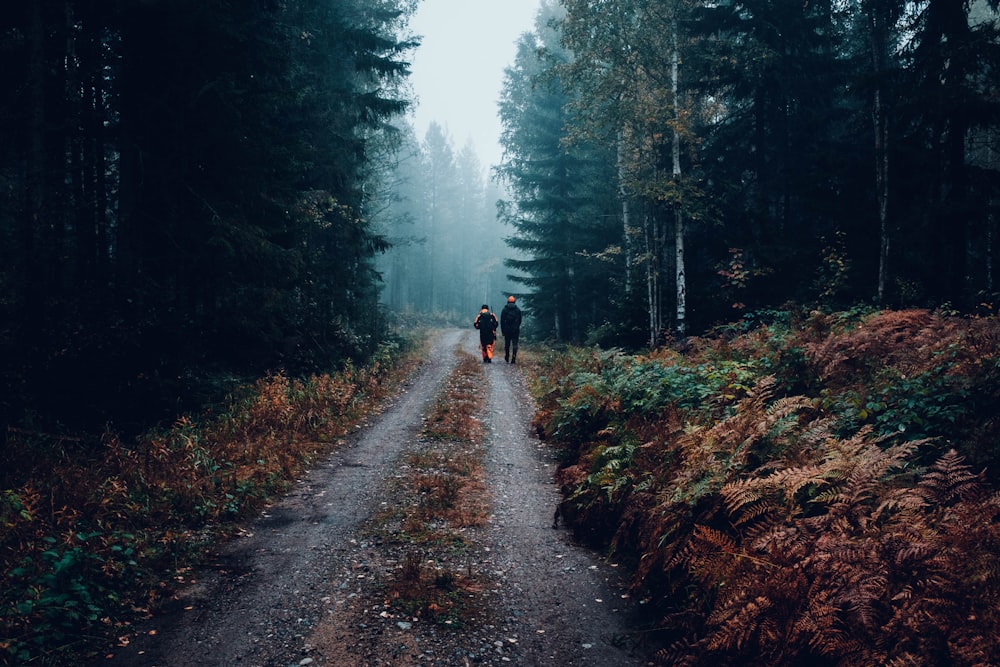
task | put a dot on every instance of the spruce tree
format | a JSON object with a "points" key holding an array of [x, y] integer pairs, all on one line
{"points": [[563, 206]]}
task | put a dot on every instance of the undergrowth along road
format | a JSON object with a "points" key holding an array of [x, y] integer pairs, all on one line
{"points": [[337, 573]]}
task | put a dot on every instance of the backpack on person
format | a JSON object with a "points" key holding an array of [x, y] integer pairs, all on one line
{"points": [[486, 322], [510, 320]]}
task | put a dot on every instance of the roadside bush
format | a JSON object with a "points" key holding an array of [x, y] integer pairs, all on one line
{"points": [[798, 491], [92, 534]]}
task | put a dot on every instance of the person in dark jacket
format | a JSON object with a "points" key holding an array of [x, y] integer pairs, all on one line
{"points": [[487, 323], [510, 327]]}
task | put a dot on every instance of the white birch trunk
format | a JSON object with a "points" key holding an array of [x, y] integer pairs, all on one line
{"points": [[879, 44], [627, 236], [680, 277], [650, 236]]}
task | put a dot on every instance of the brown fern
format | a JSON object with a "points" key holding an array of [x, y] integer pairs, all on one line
{"points": [[739, 626], [950, 480], [883, 576], [908, 340], [777, 540]]}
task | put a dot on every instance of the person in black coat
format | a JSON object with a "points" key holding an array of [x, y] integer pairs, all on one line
{"points": [[486, 322], [510, 327]]}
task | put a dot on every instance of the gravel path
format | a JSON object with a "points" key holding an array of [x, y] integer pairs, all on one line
{"points": [[267, 596], [567, 605]]}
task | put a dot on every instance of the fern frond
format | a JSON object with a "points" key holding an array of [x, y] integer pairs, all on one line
{"points": [[714, 539], [793, 480], [819, 626], [974, 648], [914, 554], [829, 496], [865, 471], [707, 555], [754, 512], [950, 480], [740, 626], [904, 339], [784, 541], [740, 493], [816, 433], [682, 653], [906, 500], [865, 593]]}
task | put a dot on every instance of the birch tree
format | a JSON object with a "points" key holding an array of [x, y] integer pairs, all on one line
{"points": [[628, 63]]}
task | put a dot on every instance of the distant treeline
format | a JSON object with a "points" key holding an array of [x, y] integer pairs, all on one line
{"points": [[438, 212], [676, 163], [182, 193]]}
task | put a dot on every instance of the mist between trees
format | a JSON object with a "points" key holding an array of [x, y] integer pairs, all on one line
{"points": [[195, 191], [447, 251]]}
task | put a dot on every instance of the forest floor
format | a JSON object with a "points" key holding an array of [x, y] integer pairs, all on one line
{"points": [[336, 574]]}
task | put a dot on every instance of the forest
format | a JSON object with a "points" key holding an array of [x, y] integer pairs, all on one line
{"points": [[203, 201], [678, 164], [184, 197], [200, 192]]}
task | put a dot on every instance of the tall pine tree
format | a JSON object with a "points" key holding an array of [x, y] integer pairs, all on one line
{"points": [[563, 204]]}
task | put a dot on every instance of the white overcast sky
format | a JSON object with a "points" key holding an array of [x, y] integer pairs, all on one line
{"points": [[457, 71]]}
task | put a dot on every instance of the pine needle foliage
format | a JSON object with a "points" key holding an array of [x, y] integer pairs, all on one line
{"points": [[806, 492]]}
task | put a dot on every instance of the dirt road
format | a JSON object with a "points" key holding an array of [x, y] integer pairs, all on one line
{"points": [[277, 595]]}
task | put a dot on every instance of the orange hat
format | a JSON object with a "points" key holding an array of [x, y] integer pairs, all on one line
{"points": [[511, 299]]}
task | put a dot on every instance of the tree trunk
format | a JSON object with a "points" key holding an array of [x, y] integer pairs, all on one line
{"points": [[679, 275], [990, 234], [649, 279], [881, 127], [651, 235], [35, 215], [127, 264], [626, 220]]}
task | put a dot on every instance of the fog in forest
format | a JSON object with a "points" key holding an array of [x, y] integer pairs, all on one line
{"points": [[447, 249]]}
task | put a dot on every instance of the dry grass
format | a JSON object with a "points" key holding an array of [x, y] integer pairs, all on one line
{"points": [[90, 533]]}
